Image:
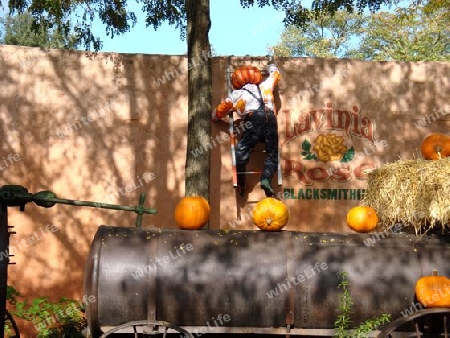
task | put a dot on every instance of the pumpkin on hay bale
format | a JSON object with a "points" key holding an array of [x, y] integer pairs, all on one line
{"points": [[413, 193], [435, 146]]}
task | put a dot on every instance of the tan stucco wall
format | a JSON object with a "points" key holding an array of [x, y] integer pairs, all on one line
{"points": [[122, 127]]}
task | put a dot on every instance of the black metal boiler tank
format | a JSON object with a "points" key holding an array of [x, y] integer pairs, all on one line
{"points": [[254, 279]]}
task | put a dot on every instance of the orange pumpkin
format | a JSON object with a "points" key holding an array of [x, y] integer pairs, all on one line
{"points": [[270, 214], [362, 218], [435, 146], [433, 291], [192, 212], [244, 75]]}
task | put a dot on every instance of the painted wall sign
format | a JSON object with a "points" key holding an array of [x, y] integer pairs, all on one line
{"points": [[328, 147], [323, 194]]}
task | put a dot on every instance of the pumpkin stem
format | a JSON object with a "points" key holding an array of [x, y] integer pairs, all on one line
{"points": [[269, 221]]}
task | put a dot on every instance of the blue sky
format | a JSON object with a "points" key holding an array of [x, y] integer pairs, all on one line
{"points": [[234, 31]]}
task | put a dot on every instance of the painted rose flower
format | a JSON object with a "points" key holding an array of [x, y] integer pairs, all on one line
{"points": [[329, 147]]}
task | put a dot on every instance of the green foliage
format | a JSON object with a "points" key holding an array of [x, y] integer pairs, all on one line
{"points": [[409, 34], [432, 6], [370, 325], [418, 32], [298, 15], [343, 320], [64, 318], [11, 294], [323, 36], [19, 30]]}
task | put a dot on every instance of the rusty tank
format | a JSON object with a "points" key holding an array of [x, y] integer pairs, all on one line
{"points": [[252, 281]]}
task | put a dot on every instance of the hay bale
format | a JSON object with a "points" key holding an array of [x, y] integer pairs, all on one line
{"points": [[414, 193]]}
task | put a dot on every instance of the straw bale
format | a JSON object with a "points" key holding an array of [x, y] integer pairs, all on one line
{"points": [[413, 193]]}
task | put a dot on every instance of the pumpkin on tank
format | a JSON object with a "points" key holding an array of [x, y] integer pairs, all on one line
{"points": [[435, 146], [433, 291], [362, 219], [270, 214], [192, 212]]}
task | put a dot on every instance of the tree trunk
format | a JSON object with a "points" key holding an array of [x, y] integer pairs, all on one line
{"points": [[199, 98]]}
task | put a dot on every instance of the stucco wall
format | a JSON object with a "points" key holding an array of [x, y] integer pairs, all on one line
{"points": [[102, 127]]}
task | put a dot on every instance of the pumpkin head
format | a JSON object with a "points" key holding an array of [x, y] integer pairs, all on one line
{"points": [[362, 218], [433, 291], [244, 75], [435, 146], [270, 214], [192, 212]]}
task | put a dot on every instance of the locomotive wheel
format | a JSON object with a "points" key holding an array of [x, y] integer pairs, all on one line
{"points": [[422, 323], [13, 324], [148, 328]]}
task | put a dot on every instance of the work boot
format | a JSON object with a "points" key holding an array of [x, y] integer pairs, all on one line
{"points": [[268, 190]]}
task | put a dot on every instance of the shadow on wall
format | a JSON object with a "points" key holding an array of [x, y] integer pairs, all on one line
{"points": [[90, 127]]}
